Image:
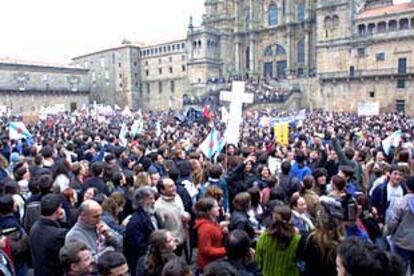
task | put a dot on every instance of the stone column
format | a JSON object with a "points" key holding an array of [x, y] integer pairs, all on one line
{"points": [[236, 38]]}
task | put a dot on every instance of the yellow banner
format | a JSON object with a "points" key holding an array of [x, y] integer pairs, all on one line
{"points": [[281, 131]]}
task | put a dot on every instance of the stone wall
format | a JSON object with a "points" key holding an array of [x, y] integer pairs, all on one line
{"points": [[26, 101]]}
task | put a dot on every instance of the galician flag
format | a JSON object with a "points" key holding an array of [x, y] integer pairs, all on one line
{"points": [[17, 130], [213, 143], [391, 141], [122, 135]]}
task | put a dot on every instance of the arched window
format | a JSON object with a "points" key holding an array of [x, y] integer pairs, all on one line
{"points": [[382, 27], [268, 51], [404, 24], [301, 12], [392, 25], [280, 50], [273, 15], [301, 51], [361, 30], [371, 28]]}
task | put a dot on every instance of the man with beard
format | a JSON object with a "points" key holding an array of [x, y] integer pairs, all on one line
{"points": [[141, 225]]}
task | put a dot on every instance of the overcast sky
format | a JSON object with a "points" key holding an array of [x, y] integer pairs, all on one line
{"points": [[57, 30]]}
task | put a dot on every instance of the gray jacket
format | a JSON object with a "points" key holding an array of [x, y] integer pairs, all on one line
{"points": [[401, 222], [87, 234]]}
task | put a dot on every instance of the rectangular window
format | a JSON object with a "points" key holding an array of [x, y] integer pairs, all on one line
{"points": [[146, 63], [361, 52], [120, 76], [380, 57], [106, 75], [148, 87], [170, 59], [171, 70], [160, 87], [159, 61], [183, 68], [119, 64], [136, 84], [402, 66], [172, 86], [160, 71], [401, 83], [120, 84], [183, 57], [372, 94], [135, 64], [147, 73], [102, 62]]}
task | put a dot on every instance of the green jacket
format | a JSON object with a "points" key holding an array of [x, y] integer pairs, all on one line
{"points": [[273, 261]]}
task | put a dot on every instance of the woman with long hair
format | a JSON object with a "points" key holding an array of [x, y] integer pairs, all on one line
{"points": [[276, 250], [61, 175], [161, 250], [240, 218], [210, 235], [319, 251]]}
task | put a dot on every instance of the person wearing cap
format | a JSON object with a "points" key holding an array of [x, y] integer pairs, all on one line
{"points": [[47, 237]]}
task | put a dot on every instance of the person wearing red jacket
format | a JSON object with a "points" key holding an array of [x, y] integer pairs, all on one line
{"points": [[209, 233]]}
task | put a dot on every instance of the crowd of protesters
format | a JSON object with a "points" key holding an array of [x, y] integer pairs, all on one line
{"points": [[79, 199]]}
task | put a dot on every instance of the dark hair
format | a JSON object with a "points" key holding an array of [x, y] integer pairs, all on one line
{"points": [[294, 200], [97, 168], [47, 152], [157, 241], [176, 267], [237, 244], [108, 261], [45, 184], [241, 201], [254, 196], [69, 254], [338, 182], [308, 182], [409, 183], [282, 229], [49, 204], [62, 166], [319, 172], [285, 167], [6, 205], [216, 171], [203, 206], [347, 170], [271, 181], [349, 152], [360, 258], [220, 268]]}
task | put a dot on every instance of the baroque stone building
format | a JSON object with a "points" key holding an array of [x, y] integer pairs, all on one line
{"points": [[28, 86], [338, 53]]}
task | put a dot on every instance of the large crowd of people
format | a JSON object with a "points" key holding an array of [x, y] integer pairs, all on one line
{"points": [[83, 197]]}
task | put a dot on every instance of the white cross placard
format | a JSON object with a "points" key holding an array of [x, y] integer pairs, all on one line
{"points": [[237, 97]]}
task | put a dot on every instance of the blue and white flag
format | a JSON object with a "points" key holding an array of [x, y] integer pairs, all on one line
{"points": [[17, 130], [213, 143], [391, 141], [122, 135]]}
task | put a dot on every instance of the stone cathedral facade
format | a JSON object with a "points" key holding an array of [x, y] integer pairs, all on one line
{"points": [[338, 53]]}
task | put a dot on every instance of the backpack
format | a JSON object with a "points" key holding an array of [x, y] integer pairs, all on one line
{"points": [[31, 215]]}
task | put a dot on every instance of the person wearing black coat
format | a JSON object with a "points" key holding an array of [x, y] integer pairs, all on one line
{"points": [[47, 237], [141, 225]]}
